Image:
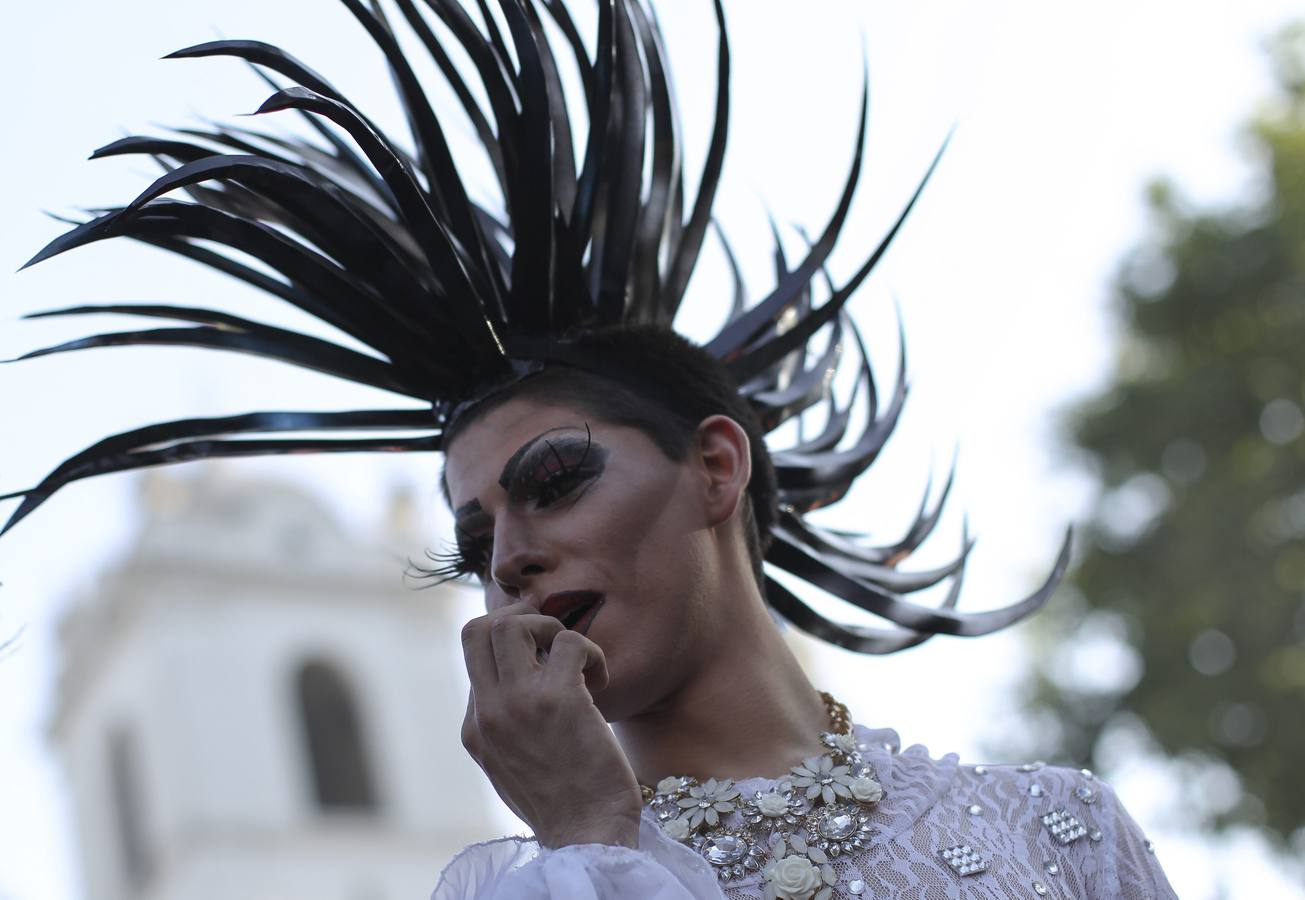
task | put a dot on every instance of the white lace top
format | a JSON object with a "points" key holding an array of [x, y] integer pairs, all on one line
{"points": [[941, 830]]}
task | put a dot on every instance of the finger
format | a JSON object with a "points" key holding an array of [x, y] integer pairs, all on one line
{"points": [[470, 731], [479, 751], [478, 652], [517, 639], [573, 657]]}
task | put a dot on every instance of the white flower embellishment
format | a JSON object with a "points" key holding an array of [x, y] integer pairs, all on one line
{"points": [[776, 808], [843, 743], [772, 804], [669, 785], [804, 875], [676, 829], [706, 802], [823, 779], [866, 790], [791, 878]]}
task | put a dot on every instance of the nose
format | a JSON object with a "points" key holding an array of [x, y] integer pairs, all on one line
{"points": [[519, 555]]}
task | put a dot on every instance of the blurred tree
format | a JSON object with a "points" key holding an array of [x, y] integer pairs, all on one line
{"points": [[1187, 612]]}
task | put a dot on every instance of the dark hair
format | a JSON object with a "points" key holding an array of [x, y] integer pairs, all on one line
{"points": [[654, 380]]}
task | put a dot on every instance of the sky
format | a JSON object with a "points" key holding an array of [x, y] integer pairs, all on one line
{"points": [[1062, 114]]}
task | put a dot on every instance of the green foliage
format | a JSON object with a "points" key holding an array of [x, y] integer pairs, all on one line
{"points": [[1195, 554]]}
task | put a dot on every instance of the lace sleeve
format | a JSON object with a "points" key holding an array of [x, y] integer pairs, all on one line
{"points": [[1132, 868], [518, 869]]}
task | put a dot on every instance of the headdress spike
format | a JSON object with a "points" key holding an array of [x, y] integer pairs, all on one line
{"points": [[379, 238]]}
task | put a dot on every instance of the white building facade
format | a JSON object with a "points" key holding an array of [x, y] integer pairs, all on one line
{"points": [[252, 705]]}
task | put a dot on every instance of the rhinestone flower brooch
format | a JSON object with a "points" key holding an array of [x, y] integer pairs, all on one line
{"points": [[820, 810]]}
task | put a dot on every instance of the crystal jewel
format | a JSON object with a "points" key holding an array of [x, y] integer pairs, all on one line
{"points": [[980, 770], [1053, 868], [724, 850], [975, 809], [856, 887], [665, 810], [1063, 827], [1094, 834], [837, 827], [1086, 794], [1039, 888], [1035, 790], [964, 861]]}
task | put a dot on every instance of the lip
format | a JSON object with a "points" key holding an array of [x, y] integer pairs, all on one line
{"points": [[559, 604]]}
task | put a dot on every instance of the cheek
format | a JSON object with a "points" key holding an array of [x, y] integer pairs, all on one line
{"points": [[663, 625], [647, 516], [659, 539]]}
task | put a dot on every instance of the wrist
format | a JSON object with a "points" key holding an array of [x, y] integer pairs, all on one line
{"points": [[615, 832]]}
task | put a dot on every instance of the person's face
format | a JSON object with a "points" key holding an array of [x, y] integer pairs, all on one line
{"points": [[564, 511]]}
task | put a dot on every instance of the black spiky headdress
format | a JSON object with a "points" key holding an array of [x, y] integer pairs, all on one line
{"points": [[385, 245]]}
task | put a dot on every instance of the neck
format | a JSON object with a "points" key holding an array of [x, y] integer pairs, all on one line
{"points": [[748, 709]]}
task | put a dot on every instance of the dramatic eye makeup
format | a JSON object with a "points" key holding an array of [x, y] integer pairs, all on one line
{"points": [[554, 467], [549, 469]]}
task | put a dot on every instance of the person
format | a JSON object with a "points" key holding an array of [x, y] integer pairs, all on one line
{"points": [[631, 697], [618, 539]]}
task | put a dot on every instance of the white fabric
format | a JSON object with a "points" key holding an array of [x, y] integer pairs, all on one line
{"points": [[927, 809], [519, 869]]}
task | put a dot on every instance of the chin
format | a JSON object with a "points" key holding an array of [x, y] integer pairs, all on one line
{"points": [[630, 691], [616, 709], [616, 701]]}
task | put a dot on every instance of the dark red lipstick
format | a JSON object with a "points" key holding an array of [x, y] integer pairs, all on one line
{"points": [[574, 609]]}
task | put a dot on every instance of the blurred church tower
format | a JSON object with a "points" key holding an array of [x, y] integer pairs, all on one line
{"points": [[254, 705]]}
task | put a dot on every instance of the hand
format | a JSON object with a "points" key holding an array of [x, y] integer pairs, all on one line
{"points": [[532, 726]]}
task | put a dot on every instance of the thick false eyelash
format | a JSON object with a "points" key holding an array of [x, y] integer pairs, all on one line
{"points": [[527, 488], [555, 485], [563, 468], [452, 564]]}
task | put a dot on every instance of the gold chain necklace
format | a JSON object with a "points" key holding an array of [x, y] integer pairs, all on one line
{"points": [[840, 722]]}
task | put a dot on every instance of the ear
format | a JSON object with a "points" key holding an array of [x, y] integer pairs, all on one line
{"points": [[726, 459]]}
